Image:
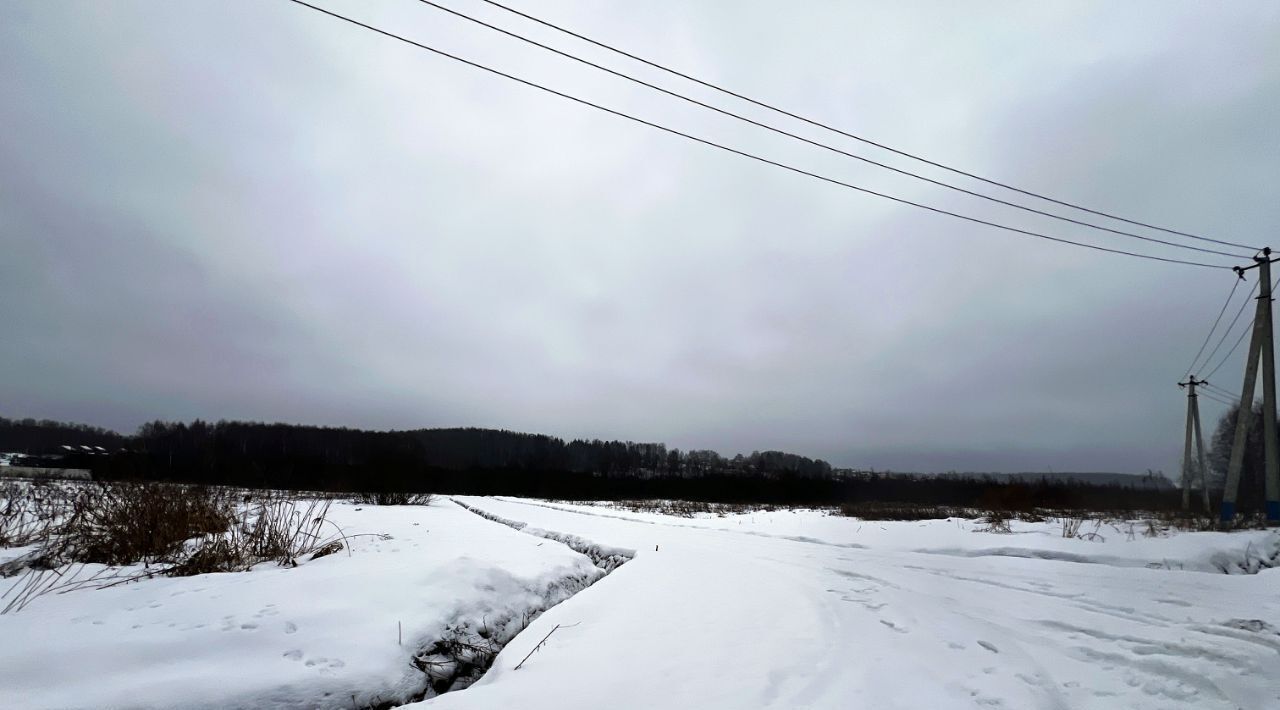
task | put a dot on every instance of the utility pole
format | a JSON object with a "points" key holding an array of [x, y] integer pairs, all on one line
{"points": [[1193, 428], [1261, 350]]}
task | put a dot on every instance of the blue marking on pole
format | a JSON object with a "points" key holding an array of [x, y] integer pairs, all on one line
{"points": [[1228, 511], [1273, 511]]}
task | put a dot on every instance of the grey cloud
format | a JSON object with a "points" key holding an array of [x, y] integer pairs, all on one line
{"points": [[246, 210]]}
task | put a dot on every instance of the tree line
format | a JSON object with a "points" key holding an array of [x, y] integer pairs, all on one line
{"points": [[43, 436], [1252, 492], [498, 462]]}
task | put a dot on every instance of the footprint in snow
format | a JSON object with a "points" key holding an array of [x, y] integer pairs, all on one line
{"points": [[325, 665], [894, 626], [290, 627], [293, 655], [989, 646]]}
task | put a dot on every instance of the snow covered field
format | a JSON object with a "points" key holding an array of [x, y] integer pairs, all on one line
{"points": [[782, 609], [311, 636]]}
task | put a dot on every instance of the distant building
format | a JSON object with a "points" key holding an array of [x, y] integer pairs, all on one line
{"points": [[37, 472]]}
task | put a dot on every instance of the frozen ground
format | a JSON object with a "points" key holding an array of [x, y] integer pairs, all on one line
{"points": [[783, 609], [324, 634], [798, 610]]}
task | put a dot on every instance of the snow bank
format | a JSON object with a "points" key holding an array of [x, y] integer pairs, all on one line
{"points": [[604, 557], [337, 632]]}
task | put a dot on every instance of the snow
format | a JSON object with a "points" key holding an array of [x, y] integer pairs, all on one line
{"points": [[799, 609], [786, 609], [1117, 543], [311, 636]]}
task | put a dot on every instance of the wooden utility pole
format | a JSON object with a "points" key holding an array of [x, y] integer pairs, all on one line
{"points": [[1261, 351], [1193, 427]]}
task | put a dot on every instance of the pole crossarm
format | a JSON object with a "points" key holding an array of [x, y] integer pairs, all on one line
{"points": [[1258, 261], [1193, 383], [1192, 466]]}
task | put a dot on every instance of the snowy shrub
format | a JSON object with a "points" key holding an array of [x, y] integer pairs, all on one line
{"points": [[275, 529], [27, 509], [871, 510], [1254, 559], [1071, 527], [393, 498], [996, 522], [100, 534], [127, 523]]}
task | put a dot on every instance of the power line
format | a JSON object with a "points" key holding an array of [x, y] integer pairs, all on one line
{"points": [[1235, 283], [856, 137], [1223, 394], [1215, 388], [1233, 349], [818, 144], [1227, 333], [1217, 392], [1219, 388], [745, 154], [1217, 399], [1238, 340]]}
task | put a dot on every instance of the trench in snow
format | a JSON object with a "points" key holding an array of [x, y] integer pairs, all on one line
{"points": [[468, 648]]}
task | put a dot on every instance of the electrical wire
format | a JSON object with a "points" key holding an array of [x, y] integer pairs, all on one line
{"points": [[856, 137], [1215, 393], [1238, 340], [1235, 283], [1227, 333], [1213, 398], [1216, 390], [742, 153], [818, 144]]}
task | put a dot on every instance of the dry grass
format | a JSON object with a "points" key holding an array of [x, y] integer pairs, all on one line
{"points": [[129, 523], [682, 508], [97, 535], [27, 509], [996, 521], [393, 498], [874, 510]]}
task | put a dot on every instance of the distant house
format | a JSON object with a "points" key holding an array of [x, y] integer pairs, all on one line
{"points": [[79, 450], [65, 461]]}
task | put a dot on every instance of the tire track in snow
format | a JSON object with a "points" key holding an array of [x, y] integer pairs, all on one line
{"points": [[1170, 666]]}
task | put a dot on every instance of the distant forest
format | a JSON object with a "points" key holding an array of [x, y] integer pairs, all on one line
{"points": [[496, 462]]}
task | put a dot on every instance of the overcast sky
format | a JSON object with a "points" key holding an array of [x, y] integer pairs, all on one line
{"points": [[248, 210]]}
